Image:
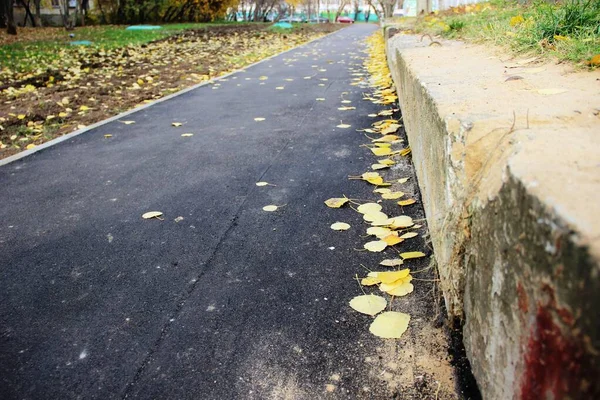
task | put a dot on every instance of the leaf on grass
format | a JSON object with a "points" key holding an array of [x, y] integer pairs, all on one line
{"points": [[375, 246], [392, 195], [270, 208], [406, 202], [390, 325], [392, 262], [409, 235], [368, 304], [259, 119], [340, 226], [152, 214], [336, 202], [393, 276], [412, 254]]}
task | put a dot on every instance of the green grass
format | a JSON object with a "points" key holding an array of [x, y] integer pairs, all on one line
{"points": [[568, 31]]}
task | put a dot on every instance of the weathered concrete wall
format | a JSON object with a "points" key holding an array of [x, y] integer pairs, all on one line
{"points": [[510, 179]]}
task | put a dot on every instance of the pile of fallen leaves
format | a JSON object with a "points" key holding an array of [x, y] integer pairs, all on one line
{"points": [[387, 231], [86, 84]]}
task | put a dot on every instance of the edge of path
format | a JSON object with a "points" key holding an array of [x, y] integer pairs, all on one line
{"points": [[95, 125]]}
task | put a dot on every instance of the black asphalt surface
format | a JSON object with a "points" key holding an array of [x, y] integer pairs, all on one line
{"points": [[230, 302]]}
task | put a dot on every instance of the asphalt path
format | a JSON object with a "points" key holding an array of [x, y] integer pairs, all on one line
{"points": [[220, 300]]}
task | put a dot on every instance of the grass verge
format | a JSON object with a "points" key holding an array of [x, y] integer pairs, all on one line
{"points": [[568, 31]]}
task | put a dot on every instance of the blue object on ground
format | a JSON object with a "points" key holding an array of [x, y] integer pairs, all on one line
{"points": [[283, 25], [143, 27], [81, 43]]}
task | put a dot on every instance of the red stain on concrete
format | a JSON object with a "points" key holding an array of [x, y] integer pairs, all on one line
{"points": [[522, 299]]}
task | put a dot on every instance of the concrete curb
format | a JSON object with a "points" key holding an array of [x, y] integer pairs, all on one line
{"points": [[78, 132], [509, 175]]}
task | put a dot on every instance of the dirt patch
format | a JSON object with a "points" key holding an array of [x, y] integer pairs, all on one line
{"points": [[92, 84]]}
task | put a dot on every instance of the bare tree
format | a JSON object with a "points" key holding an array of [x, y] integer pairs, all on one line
{"points": [[343, 4]]}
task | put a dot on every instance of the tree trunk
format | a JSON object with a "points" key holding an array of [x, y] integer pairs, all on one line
{"points": [[38, 12], [9, 15], [28, 14]]}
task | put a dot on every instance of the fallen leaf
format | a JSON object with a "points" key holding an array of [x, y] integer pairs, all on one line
{"points": [[377, 167], [375, 246], [340, 226], [403, 221], [378, 231], [343, 126], [368, 304], [403, 180], [381, 151], [375, 217], [401, 290], [370, 281], [409, 235], [393, 276], [258, 119], [412, 254], [386, 161], [406, 202], [108, 135], [176, 124], [336, 202], [30, 146], [392, 240], [392, 195], [187, 134], [382, 190], [152, 214], [279, 88], [392, 262], [369, 208], [125, 122], [390, 325], [320, 99], [270, 208], [262, 183]]}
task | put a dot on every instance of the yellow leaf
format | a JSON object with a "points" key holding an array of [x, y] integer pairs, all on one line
{"points": [[386, 112], [412, 254], [320, 99], [393, 276], [392, 262], [405, 152], [270, 208], [401, 290], [378, 231], [279, 88], [108, 135], [21, 116], [369, 208], [263, 78], [376, 216], [126, 122], [346, 108], [176, 124], [406, 202], [381, 151], [392, 195], [377, 167], [375, 246], [84, 108], [187, 134], [336, 202], [517, 20], [390, 325], [343, 126], [50, 117], [370, 281], [382, 190], [340, 226], [262, 183], [409, 235], [561, 38], [403, 180], [387, 138], [152, 214], [403, 221], [392, 240], [140, 82], [259, 119], [368, 304], [30, 146]]}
